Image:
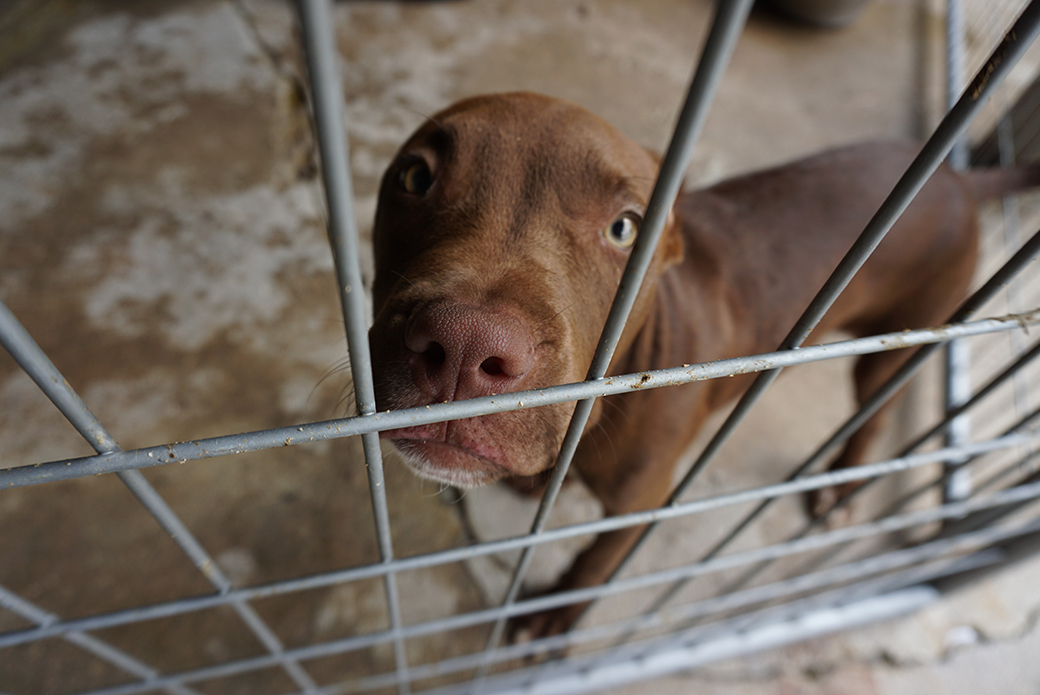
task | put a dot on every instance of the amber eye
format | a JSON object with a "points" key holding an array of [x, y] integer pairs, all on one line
{"points": [[622, 231], [416, 178]]}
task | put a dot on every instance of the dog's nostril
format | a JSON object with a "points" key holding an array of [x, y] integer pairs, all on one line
{"points": [[435, 353], [492, 366]]}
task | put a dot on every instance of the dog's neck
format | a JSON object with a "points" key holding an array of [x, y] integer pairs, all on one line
{"points": [[692, 288]]}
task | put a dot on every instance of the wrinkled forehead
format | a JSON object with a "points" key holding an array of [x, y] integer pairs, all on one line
{"points": [[539, 145]]}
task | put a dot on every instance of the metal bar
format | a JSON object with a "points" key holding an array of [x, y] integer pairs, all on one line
{"points": [[801, 485], [457, 555], [838, 537], [727, 25], [784, 589], [1012, 370], [829, 539], [891, 509], [949, 130], [327, 96], [21, 607], [991, 386], [1004, 274], [21, 346], [955, 72], [780, 633], [163, 454], [1014, 550], [779, 590], [957, 392], [769, 616], [682, 652], [957, 357], [42, 371], [1012, 233], [914, 494], [1027, 463], [989, 517]]}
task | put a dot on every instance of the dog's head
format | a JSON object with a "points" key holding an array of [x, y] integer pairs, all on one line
{"points": [[503, 227]]}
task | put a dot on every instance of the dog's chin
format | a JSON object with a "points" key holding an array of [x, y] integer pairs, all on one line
{"points": [[447, 463]]}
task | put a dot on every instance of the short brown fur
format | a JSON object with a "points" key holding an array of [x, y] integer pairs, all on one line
{"points": [[499, 276]]}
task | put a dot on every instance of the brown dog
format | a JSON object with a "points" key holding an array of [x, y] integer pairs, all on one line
{"points": [[503, 228]]}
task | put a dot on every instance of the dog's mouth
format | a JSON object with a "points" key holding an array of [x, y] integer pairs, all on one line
{"points": [[445, 454]]}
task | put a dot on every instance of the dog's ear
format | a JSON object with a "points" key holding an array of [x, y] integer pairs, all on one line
{"points": [[670, 248]]}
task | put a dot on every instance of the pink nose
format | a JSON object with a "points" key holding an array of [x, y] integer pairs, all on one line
{"points": [[466, 352]]}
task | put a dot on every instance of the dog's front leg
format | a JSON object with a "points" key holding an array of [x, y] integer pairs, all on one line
{"points": [[628, 463], [591, 568]]}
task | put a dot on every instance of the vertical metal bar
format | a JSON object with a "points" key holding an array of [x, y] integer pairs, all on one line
{"points": [[1007, 272], [957, 357], [909, 497], [955, 73], [1013, 370], [1012, 234], [21, 607], [998, 280], [41, 370], [327, 96], [949, 130], [727, 25]]}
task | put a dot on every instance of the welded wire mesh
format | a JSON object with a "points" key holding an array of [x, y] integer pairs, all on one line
{"points": [[730, 597]]}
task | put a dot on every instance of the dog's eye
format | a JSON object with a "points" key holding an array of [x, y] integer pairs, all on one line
{"points": [[622, 231], [417, 178]]}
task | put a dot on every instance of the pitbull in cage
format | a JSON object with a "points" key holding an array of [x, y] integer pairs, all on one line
{"points": [[502, 230]]}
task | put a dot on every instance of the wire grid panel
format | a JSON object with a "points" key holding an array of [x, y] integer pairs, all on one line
{"points": [[741, 598]]}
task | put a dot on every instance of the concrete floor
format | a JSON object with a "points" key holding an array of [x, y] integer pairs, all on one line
{"points": [[161, 237]]}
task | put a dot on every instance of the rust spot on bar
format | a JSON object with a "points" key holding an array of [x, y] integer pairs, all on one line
{"points": [[645, 377]]}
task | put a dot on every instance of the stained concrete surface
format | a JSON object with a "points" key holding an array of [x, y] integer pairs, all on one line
{"points": [[161, 238]]}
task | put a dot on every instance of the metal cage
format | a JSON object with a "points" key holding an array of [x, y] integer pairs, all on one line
{"points": [[817, 581]]}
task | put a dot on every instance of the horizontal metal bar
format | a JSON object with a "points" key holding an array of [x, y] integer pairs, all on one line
{"points": [[1012, 369], [618, 672], [1014, 550], [28, 354], [901, 502], [949, 130], [316, 581], [985, 391], [895, 578], [829, 539], [117, 657], [825, 540], [786, 589], [893, 508], [182, 452], [1028, 463], [438, 626], [779, 590], [925, 573], [1005, 274]]}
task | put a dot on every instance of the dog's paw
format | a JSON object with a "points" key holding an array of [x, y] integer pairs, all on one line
{"points": [[537, 626], [827, 502]]}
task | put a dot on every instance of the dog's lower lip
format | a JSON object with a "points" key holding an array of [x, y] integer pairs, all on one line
{"points": [[429, 438], [422, 433]]}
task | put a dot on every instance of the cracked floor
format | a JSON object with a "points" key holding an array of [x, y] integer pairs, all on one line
{"points": [[161, 237]]}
